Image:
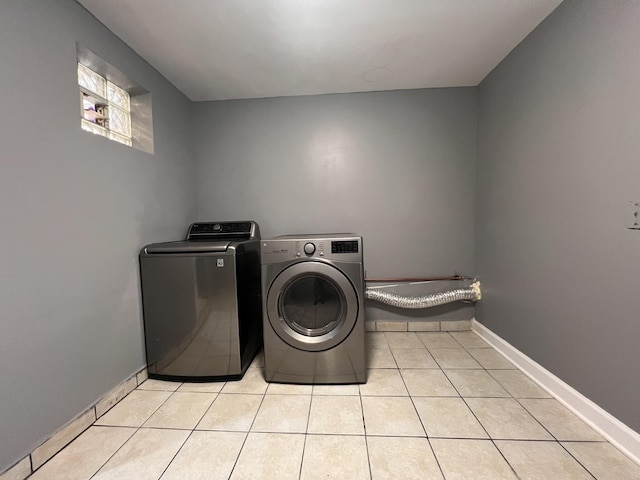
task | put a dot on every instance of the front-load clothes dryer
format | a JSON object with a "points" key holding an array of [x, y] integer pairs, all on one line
{"points": [[313, 309], [201, 302]]}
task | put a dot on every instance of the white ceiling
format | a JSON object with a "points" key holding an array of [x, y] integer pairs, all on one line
{"points": [[223, 49]]}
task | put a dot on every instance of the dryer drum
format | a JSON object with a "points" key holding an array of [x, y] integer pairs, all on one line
{"points": [[312, 305]]}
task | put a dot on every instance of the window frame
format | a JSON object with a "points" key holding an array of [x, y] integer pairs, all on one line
{"points": [[140, 105], [103, 119]]}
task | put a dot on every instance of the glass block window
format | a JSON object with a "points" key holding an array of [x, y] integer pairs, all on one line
{"points": [[92, 81], [105, 107]]}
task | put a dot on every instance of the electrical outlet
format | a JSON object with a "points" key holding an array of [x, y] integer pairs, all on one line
{"points": [[633, 222]]}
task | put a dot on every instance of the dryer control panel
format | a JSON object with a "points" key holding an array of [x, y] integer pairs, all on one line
{"points": [[292, 247]]}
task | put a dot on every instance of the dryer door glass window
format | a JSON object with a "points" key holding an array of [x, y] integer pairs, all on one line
{"points": [[312, 305]]}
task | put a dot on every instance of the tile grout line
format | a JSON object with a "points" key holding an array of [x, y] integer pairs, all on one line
{"points": [[364, 429], [491, 439], [416, 410], [579, 462], [418, 414], [555, 439], [138, 428], [306, 435], [175, 454], [235, 464], [366, 436], [93, 408]]}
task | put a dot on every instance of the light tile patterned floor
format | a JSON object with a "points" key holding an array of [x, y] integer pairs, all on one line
{"points": [[436, 405]]}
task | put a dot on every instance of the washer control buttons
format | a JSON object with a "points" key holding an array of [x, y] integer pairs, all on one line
{"points": [[309, 248]]}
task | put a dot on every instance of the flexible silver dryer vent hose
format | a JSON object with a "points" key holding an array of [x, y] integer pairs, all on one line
{"points": [[472, 293]]}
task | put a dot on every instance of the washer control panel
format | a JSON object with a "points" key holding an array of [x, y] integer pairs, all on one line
{"points": [[217, 230]]}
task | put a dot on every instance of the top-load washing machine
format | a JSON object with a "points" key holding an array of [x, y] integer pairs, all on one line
{"points": [[201, 302], [313, 309]]}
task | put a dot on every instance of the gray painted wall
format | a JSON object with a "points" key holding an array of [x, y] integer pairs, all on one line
{"points": [[76, 208], [558, 160], [397, 168]]}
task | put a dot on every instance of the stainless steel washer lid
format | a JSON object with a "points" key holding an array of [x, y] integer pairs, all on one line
{"points": [[187, 247]]}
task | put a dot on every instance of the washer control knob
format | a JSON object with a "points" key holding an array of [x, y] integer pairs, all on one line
{"points": [[309, 248]]}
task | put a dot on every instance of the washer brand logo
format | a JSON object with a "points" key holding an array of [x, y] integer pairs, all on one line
{"points": [[220, 262]]}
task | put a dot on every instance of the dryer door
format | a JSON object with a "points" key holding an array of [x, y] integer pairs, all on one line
{"points": [[312, 306]]}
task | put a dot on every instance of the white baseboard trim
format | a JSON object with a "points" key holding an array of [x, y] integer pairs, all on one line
{"points": [[616, 432]]}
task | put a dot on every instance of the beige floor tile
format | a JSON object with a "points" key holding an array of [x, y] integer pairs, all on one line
{"points": [[475, 383], [428, 383], [329, 456], [505, 418], [206, 456], [453, 358], [182, 410], [152, 384], [603, 460], [402, 457], [380, 358], [448, 418], [18, 471], [336, 389], [134, 409], [269, 456], [490, 359], [438, 340], [145, 455], [542, 460], [252, 382], [413, 358], [391, 416], [518, 384], [288, 389], [336, 415], [471, 460], [470, 339], [232, 412], [385, 382], [204, 387], [559, 420], [403, 340], [283, 413], [85, 455], [61, 438], [375, 340]]}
